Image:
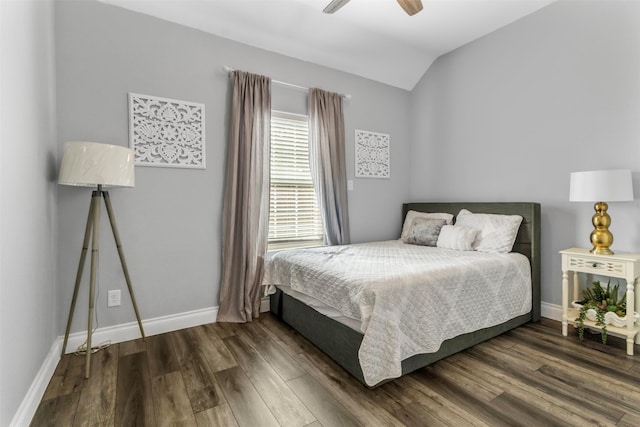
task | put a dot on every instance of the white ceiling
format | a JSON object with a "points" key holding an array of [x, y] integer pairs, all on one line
{"points": [[370, 38]]}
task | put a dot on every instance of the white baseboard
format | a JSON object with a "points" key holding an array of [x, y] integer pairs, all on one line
{"points": [[31, 400], [130, 331], [551, 311], [115, 334]]}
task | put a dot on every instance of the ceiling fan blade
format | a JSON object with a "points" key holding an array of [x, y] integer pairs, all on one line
{"points": [[411, 6], [334, 6]]}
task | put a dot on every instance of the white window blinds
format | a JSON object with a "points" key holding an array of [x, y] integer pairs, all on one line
{"points": [[294, 219]]}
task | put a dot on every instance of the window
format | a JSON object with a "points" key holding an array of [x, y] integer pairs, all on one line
{"points": [[294, 215]]}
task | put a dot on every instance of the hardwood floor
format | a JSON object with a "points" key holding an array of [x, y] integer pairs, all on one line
{"points": [[265, 374]]}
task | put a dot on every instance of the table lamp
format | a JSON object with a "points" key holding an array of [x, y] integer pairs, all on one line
{"points": [[91, 164], [598, 186]]}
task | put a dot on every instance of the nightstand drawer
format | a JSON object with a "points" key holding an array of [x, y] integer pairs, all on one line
{"points": [[597, 266]]}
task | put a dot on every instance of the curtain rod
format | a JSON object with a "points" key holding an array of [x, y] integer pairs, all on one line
{"points": [[228, 70]]}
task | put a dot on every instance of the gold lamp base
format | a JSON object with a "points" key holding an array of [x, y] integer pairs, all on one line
{"points": [[601, 237]]}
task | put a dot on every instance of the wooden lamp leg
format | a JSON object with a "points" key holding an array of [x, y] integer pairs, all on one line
{"points": [[125, 270], [83, 256], [95, 199]]}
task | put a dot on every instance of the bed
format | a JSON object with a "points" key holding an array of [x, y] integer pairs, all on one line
{"points": [[342, 339]]}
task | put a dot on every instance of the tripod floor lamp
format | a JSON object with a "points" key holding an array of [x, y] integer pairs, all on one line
{"points": [[90, 164]]}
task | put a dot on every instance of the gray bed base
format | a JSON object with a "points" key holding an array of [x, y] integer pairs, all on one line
{"points": [[342, 343]]}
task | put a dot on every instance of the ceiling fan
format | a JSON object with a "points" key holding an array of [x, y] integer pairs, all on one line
{"points": [[410, 6]]}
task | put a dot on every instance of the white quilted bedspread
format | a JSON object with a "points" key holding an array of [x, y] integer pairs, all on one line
{"points": [[409, 298]]}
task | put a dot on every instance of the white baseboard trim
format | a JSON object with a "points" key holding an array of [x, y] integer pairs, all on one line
{"points": [[31, 400], [115, 334], [158, 325], [551, 311]]}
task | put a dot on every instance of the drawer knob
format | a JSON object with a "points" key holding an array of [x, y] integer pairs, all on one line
{"points": [[595, 264]]}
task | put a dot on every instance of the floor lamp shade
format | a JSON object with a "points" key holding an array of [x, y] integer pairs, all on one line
{"points": [[88, 164], [601, 187]]}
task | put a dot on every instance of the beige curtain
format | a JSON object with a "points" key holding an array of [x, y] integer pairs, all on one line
{"points": [[327, 161], [245, 211]]}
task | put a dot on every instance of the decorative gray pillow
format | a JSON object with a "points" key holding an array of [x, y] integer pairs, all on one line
{"points": [[424, 231], [411, 215]]}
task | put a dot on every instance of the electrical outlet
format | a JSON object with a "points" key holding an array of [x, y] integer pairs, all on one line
{"points": [[113, 299]]}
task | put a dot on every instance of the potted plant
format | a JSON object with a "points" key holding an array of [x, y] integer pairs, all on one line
{"points": [[603, 306]]}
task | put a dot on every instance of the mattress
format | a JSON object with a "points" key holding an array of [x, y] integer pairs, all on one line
{"points": [[405, 299]]}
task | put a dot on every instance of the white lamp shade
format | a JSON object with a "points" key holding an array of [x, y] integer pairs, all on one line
{"points": [[601, 186], [88, 164]]}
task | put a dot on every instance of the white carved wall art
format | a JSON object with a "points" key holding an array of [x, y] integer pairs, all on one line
{"points": [[166, 132], [373, 154]]}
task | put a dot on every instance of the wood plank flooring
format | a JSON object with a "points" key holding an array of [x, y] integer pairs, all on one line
{"points": [[266, 374]]}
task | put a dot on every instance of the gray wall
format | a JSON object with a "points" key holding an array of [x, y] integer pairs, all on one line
{"points": [[28, 302], [170, 222], [509, 116]]}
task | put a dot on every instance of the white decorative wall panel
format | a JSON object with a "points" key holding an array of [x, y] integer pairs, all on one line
{"points": [[373, 154], [166, 132]]}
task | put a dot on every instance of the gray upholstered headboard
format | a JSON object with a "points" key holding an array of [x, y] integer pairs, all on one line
{"points": [[527, 241]]}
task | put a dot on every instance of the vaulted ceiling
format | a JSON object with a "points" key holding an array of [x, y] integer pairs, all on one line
{"points": [[370, 38]]}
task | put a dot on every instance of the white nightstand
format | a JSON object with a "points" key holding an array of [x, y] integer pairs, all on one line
{"points": [[621, 265]]}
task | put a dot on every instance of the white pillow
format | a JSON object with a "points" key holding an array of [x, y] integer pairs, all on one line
{"points": [[497, 232], [411, 215], [457, 237]]}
